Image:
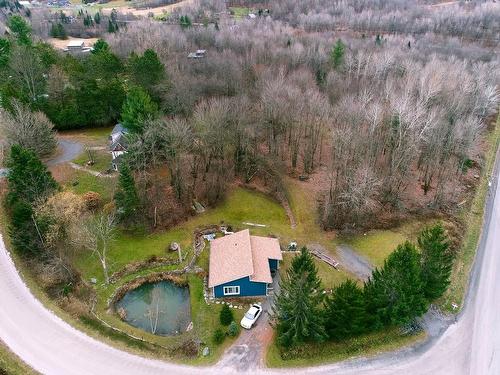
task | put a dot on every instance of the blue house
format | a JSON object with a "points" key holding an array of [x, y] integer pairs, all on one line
{"points": [[242, 265]]}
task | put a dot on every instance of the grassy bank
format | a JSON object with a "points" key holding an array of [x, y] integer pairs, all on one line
{"points": [[320, 353], [473, 218], [10, 364]]}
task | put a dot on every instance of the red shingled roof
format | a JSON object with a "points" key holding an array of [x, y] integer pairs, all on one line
{"points": [[239, 255]]}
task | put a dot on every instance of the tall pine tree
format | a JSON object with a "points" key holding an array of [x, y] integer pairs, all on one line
{"points": [[126, 198], [345, 314], [437, 261], [297, 313], [394, 295], [28, 180], [146, 70], [137, 109], [337, 54]]}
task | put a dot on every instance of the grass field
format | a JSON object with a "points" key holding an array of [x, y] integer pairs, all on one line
{"points": [[377, 245]]}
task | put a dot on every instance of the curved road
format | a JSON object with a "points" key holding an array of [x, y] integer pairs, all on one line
{"points": [[468, 346]]}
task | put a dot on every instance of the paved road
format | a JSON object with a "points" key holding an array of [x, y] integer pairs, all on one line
{"points": [[469, 346]]}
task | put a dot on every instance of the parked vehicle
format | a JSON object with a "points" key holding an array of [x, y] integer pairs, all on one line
{"points": [[251, 316]]}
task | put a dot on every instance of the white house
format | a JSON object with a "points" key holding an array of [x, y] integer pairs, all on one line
{"points": [[117, 145]]}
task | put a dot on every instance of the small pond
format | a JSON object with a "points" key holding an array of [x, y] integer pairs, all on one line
{"points": [[161, 308]]}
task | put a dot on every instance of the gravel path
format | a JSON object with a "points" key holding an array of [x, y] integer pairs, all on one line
{"points": [[68, 151], [354, 262]]}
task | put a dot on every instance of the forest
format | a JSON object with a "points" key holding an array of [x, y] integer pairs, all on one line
{"points": [[391, 119]]}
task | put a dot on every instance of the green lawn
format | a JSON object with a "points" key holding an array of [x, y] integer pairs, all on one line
{"points": [[376, 245], [102, 160], [330, 277], [89, 137], [239, 12], [82, 182]]}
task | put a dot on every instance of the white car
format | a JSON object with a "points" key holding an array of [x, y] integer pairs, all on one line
{"points": [[251, 316]]}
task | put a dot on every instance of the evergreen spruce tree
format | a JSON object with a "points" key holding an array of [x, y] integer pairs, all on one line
{"points": [[146, 70], [21, 29], [54, 31], [226, 315], [394, 294], [24, 232], [345, 314], [437, 261], [97, 18], [337, 55], [100, 46], [137, 108], [126, 198], [28, 179], [62, 31], [297, 313], [111, 27], [185, 22]]}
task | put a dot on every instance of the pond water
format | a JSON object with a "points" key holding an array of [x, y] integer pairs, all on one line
{"points": [[161, 308]]}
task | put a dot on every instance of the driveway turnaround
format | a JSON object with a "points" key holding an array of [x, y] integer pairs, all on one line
{"points": [[468, 346]]}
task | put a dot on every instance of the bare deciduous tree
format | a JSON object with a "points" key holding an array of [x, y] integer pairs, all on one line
{"points": [[31, 130], [96, 235]]}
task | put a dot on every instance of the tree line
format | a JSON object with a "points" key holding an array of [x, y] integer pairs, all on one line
{"points": [[73, 91], [395, 295]]}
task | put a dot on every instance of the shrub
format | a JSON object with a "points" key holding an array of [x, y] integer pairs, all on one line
{"points": [[92, 200], [219, 336], [233, 329], [226, 315]]}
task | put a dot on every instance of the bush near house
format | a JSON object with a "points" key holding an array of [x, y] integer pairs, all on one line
{"points": [[226, 315]]}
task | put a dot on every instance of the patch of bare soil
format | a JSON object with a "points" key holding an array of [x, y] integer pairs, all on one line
{"points": [[155, 11]]}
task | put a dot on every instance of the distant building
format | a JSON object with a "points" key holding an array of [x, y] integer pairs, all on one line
{"points": [[117, 145], [199, 54], [242, 265], [77, 46]]}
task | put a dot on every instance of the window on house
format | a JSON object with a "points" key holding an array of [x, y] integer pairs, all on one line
{"points": [[231, 290]]}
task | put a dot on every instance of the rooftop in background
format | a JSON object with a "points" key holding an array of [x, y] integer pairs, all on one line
{"points": [[199, 54], [77, 43], [240, 255]]}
